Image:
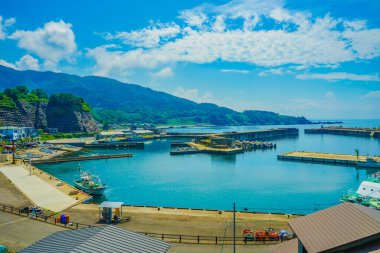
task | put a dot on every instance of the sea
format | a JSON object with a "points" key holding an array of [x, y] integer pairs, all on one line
{"points": [[256, 181]]}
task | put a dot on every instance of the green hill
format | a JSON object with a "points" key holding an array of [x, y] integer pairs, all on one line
{"points": [[116, 102]]}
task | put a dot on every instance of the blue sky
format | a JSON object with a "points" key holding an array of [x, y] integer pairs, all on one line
{"points": [[315, 58]]}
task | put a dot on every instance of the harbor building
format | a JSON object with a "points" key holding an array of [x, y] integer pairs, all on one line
{"points": [[347, 227], [98, 239], [15, 133]]}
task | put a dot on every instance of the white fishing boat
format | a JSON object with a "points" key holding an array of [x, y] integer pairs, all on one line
{"points": [[89, 183]]}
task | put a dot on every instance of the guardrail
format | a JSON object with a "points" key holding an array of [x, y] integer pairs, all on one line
{"points": [[174, 238], [43, 218]]}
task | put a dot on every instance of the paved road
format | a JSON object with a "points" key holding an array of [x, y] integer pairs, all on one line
{"points": [[38, 191], [18, 232]]}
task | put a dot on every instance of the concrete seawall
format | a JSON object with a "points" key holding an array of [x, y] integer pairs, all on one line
{"points": [[341, 159], [80, 158], [361, 132]]}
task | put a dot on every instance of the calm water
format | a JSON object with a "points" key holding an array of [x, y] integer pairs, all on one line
{"points": [[254, 180]]}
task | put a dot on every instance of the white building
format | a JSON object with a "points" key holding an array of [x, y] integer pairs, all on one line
{"points": [[15, 133]]}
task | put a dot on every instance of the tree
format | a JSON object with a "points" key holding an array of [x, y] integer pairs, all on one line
{"points": [[40, 93]]}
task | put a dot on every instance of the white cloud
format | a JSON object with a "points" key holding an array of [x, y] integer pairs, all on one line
{"points": [[163, 73], [234, 32], [275, 71], [194, 17], [148, 37], [330, 95], [194, 95], [27, 62], [7, 64], [235, 71], [335, 76], [53, 42], [4, 24], [373, 94]]}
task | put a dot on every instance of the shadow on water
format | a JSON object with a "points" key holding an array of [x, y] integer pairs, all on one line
{"points": [[224, 159]]}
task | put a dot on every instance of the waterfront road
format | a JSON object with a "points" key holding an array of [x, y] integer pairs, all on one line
{"points": [[37, 190], [18, 232]]}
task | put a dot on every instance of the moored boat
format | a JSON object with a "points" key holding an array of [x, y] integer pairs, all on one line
{"points": [[369, 162], [89, 183], [368, 193]]}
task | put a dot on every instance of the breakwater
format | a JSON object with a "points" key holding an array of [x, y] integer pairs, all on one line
{"points": [[362, 132], [315, 157], [80, 158], [266, 134], [116, 145]]}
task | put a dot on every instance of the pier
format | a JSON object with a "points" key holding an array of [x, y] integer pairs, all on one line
{"points": [[194, 148], [80, 158], [314, 157], [116, 145], [361, 132], [266, 134]]}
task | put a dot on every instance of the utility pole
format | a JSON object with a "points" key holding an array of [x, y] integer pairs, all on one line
{"points": [[234, 227], [13, 151]]}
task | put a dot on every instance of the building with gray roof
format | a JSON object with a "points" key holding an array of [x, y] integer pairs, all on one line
{"points": [[97, 239]]}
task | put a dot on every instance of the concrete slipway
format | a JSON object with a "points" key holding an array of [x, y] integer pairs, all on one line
{"points": [[37, 190]]}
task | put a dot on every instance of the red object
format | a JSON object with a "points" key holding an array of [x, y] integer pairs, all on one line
{"points": [[261, 235], [247, 231], [273, 236]]}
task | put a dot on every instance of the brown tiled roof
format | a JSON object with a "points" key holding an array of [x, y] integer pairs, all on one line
{"points": [[336, 226], [288, 247]]}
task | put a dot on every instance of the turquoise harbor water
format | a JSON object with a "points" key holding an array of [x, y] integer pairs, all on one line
{"points": [[254, 180]]}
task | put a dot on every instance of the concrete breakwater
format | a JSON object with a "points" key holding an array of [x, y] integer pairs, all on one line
{"points": [[80, 158], [314, 157], [266, 134], [116, 145], [194, 148], [362, 132]]}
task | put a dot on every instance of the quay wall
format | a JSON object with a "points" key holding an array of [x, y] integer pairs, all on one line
{"points": [[345, 131], [138, 145], [80, 158], [262, 134]]}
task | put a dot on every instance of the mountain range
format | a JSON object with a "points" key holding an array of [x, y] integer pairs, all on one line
{"points": [[117, 102]]}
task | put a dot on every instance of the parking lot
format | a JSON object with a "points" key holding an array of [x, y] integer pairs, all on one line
{"points": [[17, 232]]}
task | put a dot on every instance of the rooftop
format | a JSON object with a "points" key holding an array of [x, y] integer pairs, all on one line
{"points": [[97, 239], [337, 227]]}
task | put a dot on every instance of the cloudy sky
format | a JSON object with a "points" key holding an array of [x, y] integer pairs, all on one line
{"points": [[315, 58]]}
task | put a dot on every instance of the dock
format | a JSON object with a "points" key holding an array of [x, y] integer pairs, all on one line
{"points": [[80, 158], [361, 132], [266, 134], [116, 145], [254, 135], [195, 148], [314, 157], [41, 188]]}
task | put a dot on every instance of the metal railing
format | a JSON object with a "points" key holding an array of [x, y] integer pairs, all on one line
{"points": [[174, 238]]}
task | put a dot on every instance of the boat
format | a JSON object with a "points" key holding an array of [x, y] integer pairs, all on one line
{"points": [[368, 193], [375, 203], [369, 162], [89, 183]]}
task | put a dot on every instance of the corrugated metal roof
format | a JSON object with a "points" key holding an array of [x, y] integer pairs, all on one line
{"points": [[336, 226], [288, 247], [98, 239], [110, 204]]}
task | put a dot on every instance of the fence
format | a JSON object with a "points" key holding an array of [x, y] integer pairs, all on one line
{"points": [[174, 238], [43, 218]]}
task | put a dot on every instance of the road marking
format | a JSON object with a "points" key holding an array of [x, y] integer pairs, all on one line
{"points": [[11, 222]]}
